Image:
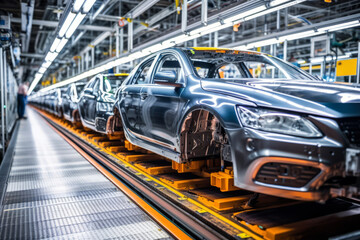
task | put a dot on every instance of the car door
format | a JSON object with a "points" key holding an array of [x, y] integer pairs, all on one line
{"points": [[130, 97], [83, 101], [66, 101], [92, 100], [161, 103]]}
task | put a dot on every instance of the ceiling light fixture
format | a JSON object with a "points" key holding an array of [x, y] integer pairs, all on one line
{"points": [[55, 44], [70, 17], [61, 45], [78, 19], [77, 5]]}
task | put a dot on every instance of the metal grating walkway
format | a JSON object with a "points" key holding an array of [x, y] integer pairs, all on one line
{"points": [[54, 193]]}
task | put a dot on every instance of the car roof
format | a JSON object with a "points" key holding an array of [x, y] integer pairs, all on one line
{"points": [[116, 75], [224, 50]]}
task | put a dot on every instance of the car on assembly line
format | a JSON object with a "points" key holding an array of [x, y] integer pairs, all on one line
{"points": [[284, 132], [97, 99], [53, 101], [70, 102]]}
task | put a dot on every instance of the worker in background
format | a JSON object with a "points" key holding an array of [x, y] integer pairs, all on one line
{"points": [[22, 99]]}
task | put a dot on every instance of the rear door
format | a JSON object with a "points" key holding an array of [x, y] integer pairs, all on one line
{"points": [[161, 105], [66, 101], [92, 100], [130, 97], [83, 101]]}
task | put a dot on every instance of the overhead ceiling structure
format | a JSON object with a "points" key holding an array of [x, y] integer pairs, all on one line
{"points": [[116, 34]]}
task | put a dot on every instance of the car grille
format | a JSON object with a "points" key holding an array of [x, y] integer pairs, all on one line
{"points": [[351, 129], [283, 174]]}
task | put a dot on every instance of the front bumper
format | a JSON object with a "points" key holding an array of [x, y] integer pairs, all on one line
{"points": [[288, 166]]}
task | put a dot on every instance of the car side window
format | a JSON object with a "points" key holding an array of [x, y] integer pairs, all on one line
{"points": [[142, 72], [228, 71], [68, 91], [169, 63], [91, 83], [96, 85]]}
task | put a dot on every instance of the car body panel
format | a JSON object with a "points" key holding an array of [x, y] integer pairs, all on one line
{"points": [[95, 104], [317, 98], [70, 101], [153, 116]]}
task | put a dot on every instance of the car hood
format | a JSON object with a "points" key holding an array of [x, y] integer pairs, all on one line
{"points": [[310, 97]]}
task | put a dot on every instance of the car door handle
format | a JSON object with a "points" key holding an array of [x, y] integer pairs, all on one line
{"points": [[143, 96]]}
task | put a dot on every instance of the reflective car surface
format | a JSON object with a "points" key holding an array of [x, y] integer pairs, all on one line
{"points": [[70, 102], [53, 101], [284, 132], [97, 99]]}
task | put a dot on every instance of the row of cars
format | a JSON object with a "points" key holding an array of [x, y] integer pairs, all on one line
{"points": [[87, 104], [283, 131]]}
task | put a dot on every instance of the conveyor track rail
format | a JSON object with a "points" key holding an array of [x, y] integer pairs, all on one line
{"points": [[222, 214], [196, 228]]}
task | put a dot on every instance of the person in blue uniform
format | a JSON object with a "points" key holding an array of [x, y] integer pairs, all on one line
{"points": [[22, 99]]}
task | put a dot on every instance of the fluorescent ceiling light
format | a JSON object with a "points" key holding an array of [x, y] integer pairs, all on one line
{"points": [[199, 30], [175, 39], [88, 5], [188, 38], [327, 59], [277, 2], [214, 29], [36, 80], [46, 64], [55, 44], [77, 5], [340, 26], [42, 70], [259, 43], [270, 10], [51, 56], [298, 35], [61, 45], [79, 17], [301, 61], [244, 14], [69, 18]]}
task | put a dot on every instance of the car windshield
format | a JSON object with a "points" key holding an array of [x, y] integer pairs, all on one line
{"points": [[112, 82], [227, 64]]}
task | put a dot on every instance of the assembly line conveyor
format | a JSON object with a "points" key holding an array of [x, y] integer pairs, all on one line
{"points": [[54, 192]]}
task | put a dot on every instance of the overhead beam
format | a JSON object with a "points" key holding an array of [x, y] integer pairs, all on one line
{"points": [[141, 8], [54, 24], [156, 18], [32, 55], [294, 30], [95, 42]]}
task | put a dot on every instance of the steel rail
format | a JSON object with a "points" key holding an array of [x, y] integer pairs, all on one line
{"points": [[165, 208]]}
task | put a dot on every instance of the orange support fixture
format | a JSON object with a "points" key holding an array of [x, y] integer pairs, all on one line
{"points": [[224, 180], [193, 166]]}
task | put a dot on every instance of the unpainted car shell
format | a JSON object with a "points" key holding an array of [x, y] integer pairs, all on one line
{"points": [[70, 102], [321, 103], [91, 116]]}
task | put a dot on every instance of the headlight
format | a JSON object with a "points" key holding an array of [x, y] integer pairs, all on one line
{"points": [[278, 122], [104, 107]]}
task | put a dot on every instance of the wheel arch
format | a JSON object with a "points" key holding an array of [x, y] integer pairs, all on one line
{"points": [[184, 132]]}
